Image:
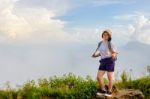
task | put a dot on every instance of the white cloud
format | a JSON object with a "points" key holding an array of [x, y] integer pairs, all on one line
{"points": [[30, 23], [83, 35], [127, 28], [59, 7], [136, 27]]}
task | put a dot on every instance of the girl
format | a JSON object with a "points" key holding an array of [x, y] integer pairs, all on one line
{"points": [[108, 55]]}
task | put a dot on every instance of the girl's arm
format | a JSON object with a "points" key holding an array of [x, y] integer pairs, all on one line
{"points": [[114, 52], [114, 55], [96, 55]]}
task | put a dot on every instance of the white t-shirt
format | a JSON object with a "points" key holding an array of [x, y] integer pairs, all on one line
{"points": [[104, 50]]}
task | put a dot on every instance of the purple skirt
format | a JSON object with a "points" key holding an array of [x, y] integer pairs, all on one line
{"points": [[107, 64]]}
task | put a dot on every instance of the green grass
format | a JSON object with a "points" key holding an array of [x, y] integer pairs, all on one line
{"points": [[69, 87]]}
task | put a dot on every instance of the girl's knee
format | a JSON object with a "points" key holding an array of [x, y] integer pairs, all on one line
{"points": [[110, 76], [100, 75], [99, 78], [110, 79]]}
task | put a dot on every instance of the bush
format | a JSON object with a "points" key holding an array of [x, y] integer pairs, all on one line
{"points": [[68, 87], [65, 87]]}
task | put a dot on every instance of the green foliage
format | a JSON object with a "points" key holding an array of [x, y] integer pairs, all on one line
{"points": [[68, 87], [8, 94], [148, 70], [124, 80], [124, 77], [65, 87]]}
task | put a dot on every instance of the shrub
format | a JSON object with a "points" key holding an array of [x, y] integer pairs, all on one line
{"points": [[69, 87]]}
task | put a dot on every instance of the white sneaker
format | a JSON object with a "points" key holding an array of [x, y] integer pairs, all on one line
{"points": [[100, 94], [108, 94]]}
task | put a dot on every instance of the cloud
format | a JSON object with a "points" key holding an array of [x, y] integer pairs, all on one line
{"points": [[52, 5], [38, 21], [88, 35], [136, 27], [21, 22], [127, 28]]}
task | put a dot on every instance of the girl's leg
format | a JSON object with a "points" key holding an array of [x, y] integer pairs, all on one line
{"points": [[110, 78], [100, 75]]}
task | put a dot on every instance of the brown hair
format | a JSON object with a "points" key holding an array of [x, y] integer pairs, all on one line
{"points": [[109, 39]]}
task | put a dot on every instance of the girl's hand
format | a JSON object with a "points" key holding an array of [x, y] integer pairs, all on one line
{"points": [[94, 55], [114, 55]]}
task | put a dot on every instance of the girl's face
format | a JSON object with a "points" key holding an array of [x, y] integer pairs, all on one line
{"points": [[105, 36]]}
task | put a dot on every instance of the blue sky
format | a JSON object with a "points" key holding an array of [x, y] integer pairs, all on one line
{"points": [[42, 38], [86, 13]]}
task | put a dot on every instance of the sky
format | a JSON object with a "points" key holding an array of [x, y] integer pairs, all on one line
{"points": [[43, 38]]}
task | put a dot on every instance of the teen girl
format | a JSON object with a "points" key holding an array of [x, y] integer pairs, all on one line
{"points": [[108, 54]]}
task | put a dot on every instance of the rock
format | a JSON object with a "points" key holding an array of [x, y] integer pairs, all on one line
{"points": [[124, 94], [129, 94]]}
